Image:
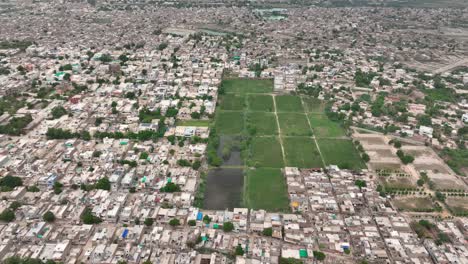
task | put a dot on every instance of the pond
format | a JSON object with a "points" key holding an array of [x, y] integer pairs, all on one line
{"points": [[224, 189]]}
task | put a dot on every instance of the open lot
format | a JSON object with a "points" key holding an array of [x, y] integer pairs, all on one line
{"points": [[458, 205], [313, 105], [413, 203], [301, 152], [266, 152], [262, 123], [260, 102], [194, 122], [288, 103], [229, 123], [266, 189], [324, 127], [232, 102], [294, 124], [340, 152], [243, 86]]}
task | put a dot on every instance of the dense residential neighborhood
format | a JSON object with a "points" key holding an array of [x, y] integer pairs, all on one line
{"points": [[233, 132]]}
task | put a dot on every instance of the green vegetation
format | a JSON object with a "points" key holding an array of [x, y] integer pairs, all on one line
{"points": [[314, 105], [7, 215], [262, 103], [243, 86], [170, 187], [288, 103], [103, 184], [290, 261], [89, 218], [340, 152], [319, 255], [148, 222], [228, 226], [267, 231], [261, 124], [48, 217], [294, 124], [193, 122], [266, 152], [232, 102], [301, 152], [10, 104], [174, 222], [324, 127], [456, 159], [16, 125], [8, 183], [229, 123], [266, 189], [15, 44]]}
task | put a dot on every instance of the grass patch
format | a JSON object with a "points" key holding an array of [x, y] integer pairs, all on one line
{"points": [[243, 86], [232, 102], [266, 189], [340, 152], [324, 127], [262, 123], [266, 152], [194, 122], [229, 123], [294, 124], [288, 103], [313, 105], [301, 152], [260, 102]]}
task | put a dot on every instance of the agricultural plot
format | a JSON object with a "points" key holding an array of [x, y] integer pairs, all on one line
{"points": [[294, 124], [229, 123], [457, 205], [301, 152], [232, 102], [288, 103], [340, 152], [260, 102], [262, 123], [244, 86], [324, 127], [313, 105], [194, 122], [266, 189], [266, 152]]}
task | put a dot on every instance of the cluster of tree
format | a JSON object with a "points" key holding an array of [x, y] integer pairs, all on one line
{"points": [[363, 79], [130, 163], [8, 183], [59, 133], [212, 155], [48, 217], [89, 218], [312, 90], [406, 159], [58, 112], [16, 125], [360, 183], [66, 67], [7, 215], [170, 187]]}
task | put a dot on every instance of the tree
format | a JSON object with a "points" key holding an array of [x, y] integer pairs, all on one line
{"points": [[365, 157], [192, 223], [114, 104], [206, 219], [170, 188], [267, 231], [196, 165], [7, 215], [174, 222], [318, 255], [228, 226], [89, 218], [11, 181], [49, 217], [360, 183], [15, 205], [239, 251], [103, 184], [440, 196], [58, 112], [144, 155], [149, 222]]}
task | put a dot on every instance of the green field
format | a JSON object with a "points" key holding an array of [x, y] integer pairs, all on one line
{"points": [[229, 123], [193, 122], [313, 105], [324, 127], [301, 152], [340, 152], [243, 86], [288, 103], [260, 102], [232, 102], [262, 123], [294, 124], [266, 189], [266, 152]]}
